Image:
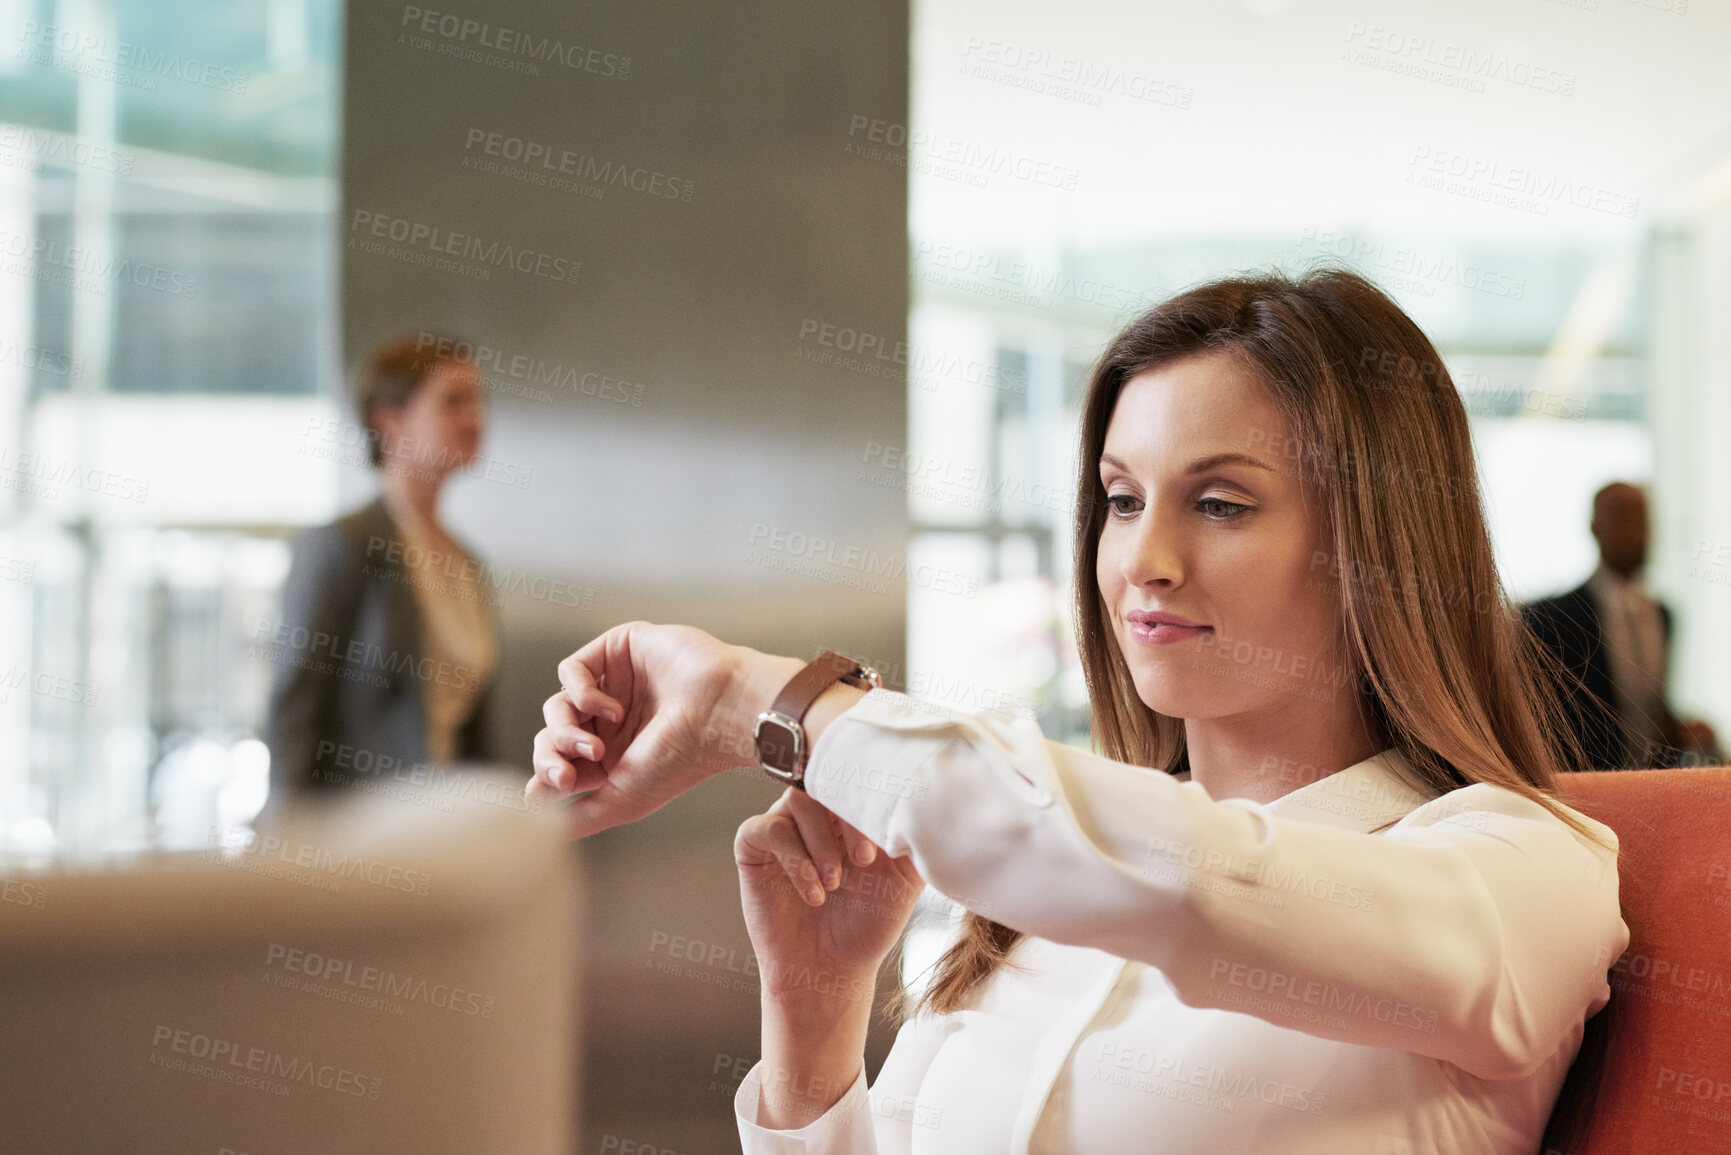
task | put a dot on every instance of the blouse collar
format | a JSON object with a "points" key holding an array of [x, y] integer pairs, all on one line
{"points": [[1365, 796]]}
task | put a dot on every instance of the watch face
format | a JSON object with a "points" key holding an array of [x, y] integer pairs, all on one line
{"points": [[780, 744]]}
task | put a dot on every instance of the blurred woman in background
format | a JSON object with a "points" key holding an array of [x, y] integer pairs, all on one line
{"points": [[388, 641]]}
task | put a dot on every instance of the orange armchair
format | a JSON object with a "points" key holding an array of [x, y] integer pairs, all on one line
{"points": [[1667, 1085]]}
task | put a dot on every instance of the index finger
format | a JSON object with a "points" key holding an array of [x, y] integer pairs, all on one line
{"points": [[861, 851], [581, 674]]}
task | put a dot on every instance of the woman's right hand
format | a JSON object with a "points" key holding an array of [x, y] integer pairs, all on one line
{"points": [[823, 905], [645, 712]]}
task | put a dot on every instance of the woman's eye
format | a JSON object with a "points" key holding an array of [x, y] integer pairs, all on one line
{"points": [[1219, 509], [1121, 504]]}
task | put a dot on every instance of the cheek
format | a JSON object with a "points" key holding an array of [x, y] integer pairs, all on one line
{"points": [[1308, 618], [1263, 585], [1108, 569]]}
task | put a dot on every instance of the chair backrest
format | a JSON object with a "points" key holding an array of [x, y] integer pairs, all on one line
{"points": [[1668, 1076], [379, 974]]}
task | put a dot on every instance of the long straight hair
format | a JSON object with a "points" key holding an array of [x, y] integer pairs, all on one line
{"points": [[1444, 670]]}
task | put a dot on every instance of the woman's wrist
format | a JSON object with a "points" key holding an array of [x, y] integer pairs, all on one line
{"points": [[813, 1050], [757, 680]]}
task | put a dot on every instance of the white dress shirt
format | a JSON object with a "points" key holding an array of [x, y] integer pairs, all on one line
{"points": [[1634, 635], [1215, 976]]}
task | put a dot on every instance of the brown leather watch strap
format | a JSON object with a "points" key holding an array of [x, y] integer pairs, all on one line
{"points": [[780, 734], [808, 685]]}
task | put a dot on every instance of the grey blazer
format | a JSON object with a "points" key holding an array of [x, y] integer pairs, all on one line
{"points": [[346, 701]]}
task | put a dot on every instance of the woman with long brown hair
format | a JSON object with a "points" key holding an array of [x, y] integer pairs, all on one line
{"points": [[1316, 894]]}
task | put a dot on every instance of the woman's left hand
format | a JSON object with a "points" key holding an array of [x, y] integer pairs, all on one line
{"points": [[823, 905]]}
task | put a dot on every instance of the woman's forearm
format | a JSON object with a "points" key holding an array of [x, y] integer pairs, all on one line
{"points": [[813, 1048]]}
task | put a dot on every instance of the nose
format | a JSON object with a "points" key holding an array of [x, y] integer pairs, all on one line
{"points": [[1155, 559]]}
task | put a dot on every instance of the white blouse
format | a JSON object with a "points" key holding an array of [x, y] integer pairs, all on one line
{"points": [[1213, 977]]}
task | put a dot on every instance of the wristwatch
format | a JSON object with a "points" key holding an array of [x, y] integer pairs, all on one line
{"points": [[780, 734]]}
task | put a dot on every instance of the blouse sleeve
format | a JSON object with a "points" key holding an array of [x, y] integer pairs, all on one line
{"points": [[1477, 930], [875, 1122]]}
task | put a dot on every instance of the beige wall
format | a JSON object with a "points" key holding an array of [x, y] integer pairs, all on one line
{"points": [[698, 308]]}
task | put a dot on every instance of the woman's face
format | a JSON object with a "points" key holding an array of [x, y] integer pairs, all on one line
{"points": [[439, 428], [1211, 564]]}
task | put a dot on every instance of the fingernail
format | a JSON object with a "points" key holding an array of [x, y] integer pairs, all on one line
{"points": [[831, 877], [808, 872]]}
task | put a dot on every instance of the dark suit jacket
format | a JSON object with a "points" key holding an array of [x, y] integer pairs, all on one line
{"points": [[347, 698], [1569, 625]]}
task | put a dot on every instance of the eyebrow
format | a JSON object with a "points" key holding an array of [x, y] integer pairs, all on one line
{"points": [[1202, 464]]}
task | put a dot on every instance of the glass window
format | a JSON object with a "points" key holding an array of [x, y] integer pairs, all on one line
{"points": [[167, 191]]}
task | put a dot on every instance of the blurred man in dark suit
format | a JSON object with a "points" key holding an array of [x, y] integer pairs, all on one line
{"points": [[1616, 640]]}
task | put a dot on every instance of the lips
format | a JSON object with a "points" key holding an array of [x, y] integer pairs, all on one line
{"points": [[1161, 628]]}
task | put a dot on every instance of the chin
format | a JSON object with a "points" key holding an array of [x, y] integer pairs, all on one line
{"points": [[1174, 693]]}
